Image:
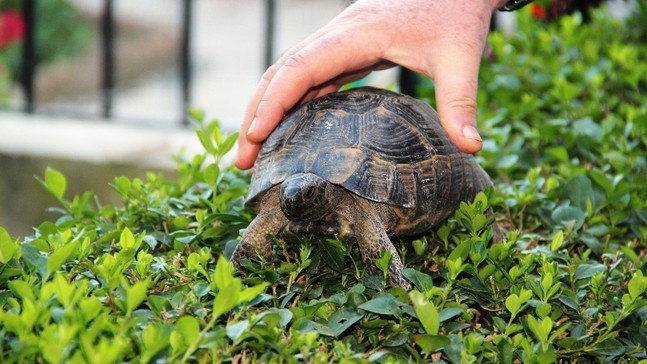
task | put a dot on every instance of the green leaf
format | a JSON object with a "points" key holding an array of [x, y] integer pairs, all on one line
{"points": [[546, 283], [586, 271], [135, 295], [61, 255], [569, 216], [637, 285], [281, 316], [217, 134], [513, 303], [127, 239], [630, 253], [250, 293], [343, 319], [64, 290], [383, 304], [558, 152], [155, 337], [420, 245], [431, 343], [197, 114], [206, 142], [611, 347], [567, 342], [90, 308], [543, 310], [226, 146], [8, 247], [557, 241], [395, 340], [34, 258], [55, 183], [235, 331], [506, 351], [455, 267], [189, 328], [461, 251], [333, 255], [187, 239], [22, 289], [586, 126], [422, 281], [426, 311], [480, 200], [443, 233], [384, 261], [211, 174], [601, 180], [123, 185], [224, 273], [449, 312], [478, 252], [227, 298], [541, 329], [579, 190], [305, 326], [159, 303], [201, 289]]}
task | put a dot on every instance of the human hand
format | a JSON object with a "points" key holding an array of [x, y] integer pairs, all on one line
{"points": [[442, 39]]}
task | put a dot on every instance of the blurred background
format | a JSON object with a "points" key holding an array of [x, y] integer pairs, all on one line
{"points": [[111, 82], [100, 88]]}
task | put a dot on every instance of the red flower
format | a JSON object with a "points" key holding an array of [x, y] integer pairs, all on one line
{"points": [[12, 27], [538, 11]]}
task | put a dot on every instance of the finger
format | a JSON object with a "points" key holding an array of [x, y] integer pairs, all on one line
{"points": [[268, 75], [247, 149], [335, 84], [314, 65], [456, 82], [246, 153]]}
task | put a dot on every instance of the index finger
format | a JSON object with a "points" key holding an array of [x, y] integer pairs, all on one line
{"points": [[315, 64]]}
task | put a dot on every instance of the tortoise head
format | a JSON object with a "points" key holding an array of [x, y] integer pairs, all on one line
{"points": [[308, 197]]}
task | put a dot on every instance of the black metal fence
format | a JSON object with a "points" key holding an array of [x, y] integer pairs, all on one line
{"points": [[108, 29]]}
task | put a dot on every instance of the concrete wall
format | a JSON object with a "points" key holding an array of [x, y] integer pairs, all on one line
{"points": [[24, 201]]}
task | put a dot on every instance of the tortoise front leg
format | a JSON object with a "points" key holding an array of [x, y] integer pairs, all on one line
{"points": [[270, 220], [372, 238]]}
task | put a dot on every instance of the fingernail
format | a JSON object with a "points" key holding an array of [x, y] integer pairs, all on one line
{"points": [[252, 128], [470, 132]]}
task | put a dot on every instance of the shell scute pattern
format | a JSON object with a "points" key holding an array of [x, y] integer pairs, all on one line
{"points": [[379, 145], [393, 140]]}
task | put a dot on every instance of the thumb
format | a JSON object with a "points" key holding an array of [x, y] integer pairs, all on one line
{"points": [[456, 83]]}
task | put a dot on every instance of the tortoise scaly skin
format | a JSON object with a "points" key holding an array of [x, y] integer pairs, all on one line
{"points": [[364, 164]]}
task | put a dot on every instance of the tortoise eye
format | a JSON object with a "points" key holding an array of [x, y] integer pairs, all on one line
{"points": [[309, 192]]}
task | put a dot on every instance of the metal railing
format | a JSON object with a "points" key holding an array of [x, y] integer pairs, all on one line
{"points": [[29, 54], [108, 29]]}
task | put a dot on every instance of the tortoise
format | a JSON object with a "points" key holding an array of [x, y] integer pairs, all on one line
{"points": [[365, 164]]}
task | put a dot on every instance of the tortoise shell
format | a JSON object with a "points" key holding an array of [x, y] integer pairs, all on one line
{"points": [[380, 145]]}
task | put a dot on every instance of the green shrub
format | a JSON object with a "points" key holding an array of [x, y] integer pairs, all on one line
{"points": [[565, 127]]}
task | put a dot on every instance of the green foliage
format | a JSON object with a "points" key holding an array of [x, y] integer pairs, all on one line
{"points": [[149, 282]]}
